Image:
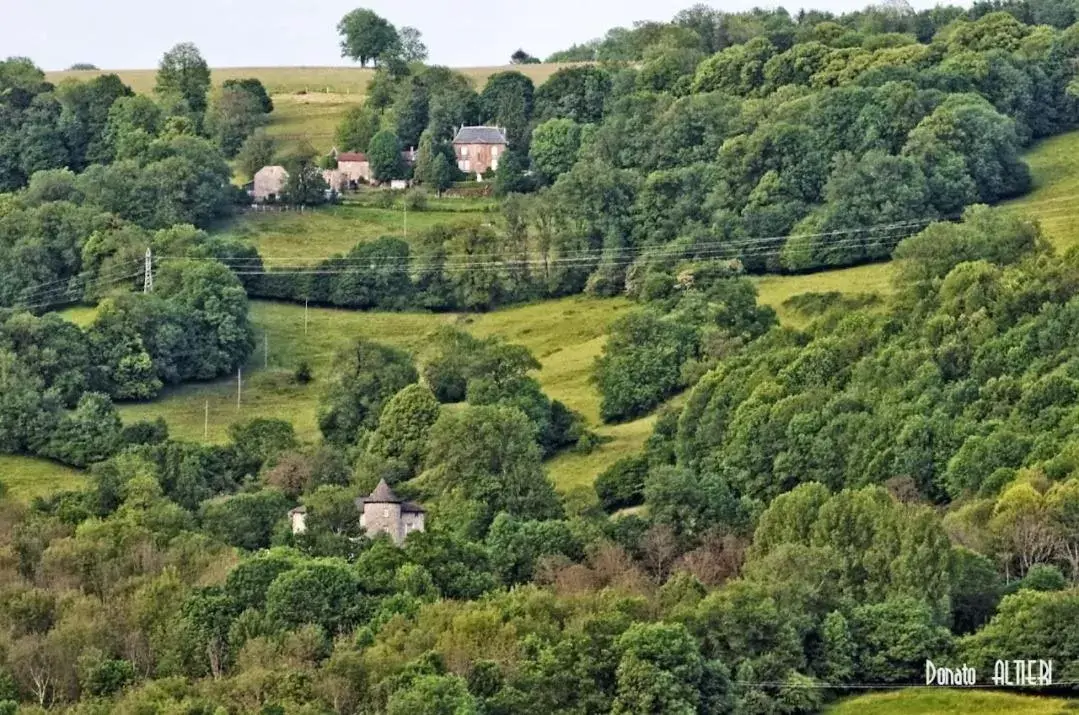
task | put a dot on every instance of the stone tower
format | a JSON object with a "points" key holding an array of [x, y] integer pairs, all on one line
{"points": [[383, 512]]}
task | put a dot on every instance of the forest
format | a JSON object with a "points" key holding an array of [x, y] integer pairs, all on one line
{"points": [[818, 510]]}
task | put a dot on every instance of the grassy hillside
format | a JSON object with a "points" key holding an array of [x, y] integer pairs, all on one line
{"points": [[1054, 201], [311, 235], [309, 102], [565, 335], [25, 478], [932, 701]]}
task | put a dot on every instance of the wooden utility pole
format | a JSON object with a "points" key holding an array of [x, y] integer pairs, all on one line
{"points": [[239, 386]]}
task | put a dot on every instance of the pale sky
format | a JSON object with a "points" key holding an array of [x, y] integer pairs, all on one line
{"points": [[133, 34]]}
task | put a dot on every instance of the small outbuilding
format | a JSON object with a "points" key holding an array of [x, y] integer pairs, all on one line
{"points": [[269, 183]]}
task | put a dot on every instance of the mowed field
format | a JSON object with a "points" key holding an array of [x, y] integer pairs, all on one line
{"points": [[311, 235], [934, 701], [309, 102], [294, 80]]}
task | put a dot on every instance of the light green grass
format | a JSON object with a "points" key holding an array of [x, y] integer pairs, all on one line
{"points": [[272, 393], [311, 119], [1054, 200], [775, 290], [571, 469], [565, 335], [933, 701], [25, 477], [311, 235], [81, 315]]}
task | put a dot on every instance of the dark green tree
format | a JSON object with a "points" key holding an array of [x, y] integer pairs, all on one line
{"points": [[305, 185], [365, 36], [384, 154], [507, 101], [357, 128], [184, 75], [254, 86], [366, 375]]}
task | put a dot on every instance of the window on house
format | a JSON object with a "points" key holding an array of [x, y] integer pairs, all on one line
{"points": [[467, 165], [464, 151], [386, 512]]}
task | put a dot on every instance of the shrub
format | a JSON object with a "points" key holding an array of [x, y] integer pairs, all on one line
{"points": [[1044, 577], [416, 200], [153, 431], [622, 484], [303, 375], [384, 199]]}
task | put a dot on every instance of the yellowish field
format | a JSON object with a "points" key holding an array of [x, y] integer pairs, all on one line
{"points": [[774, 290], [293, 80], [1054, 201], [934, 701], [25, 478], [309, 119]]}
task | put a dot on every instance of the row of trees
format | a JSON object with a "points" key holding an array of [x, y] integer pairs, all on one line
{"points": [[844, 141], [193, 327], [462, 266], [706, 30], [123, 164], [79, 124]]}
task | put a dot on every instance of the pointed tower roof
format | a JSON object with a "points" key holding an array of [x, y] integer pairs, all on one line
{"points": [[383, 495]]}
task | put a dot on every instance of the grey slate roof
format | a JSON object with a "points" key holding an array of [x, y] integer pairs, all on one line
{"points": [[382, 495], [480, 135]]}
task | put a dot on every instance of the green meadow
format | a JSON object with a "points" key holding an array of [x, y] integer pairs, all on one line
{"points": [[934, 701], [305, 237], [565, 335], [24, 478]]}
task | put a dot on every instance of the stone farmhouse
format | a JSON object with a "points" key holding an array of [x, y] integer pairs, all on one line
{"points": [[354, 165], [270, 181], [355, 168], [268, 184], [382, 512], [478, 149], [337, 180]]}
